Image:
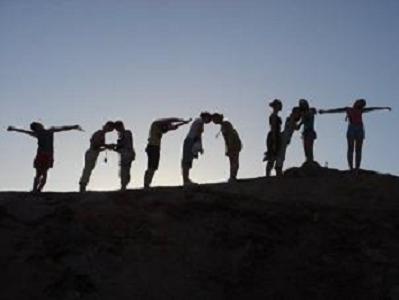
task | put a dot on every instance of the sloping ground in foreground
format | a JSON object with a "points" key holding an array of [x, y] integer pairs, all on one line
{"points": [[305, 236]]}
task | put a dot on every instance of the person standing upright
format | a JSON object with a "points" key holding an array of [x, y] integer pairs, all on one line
{"points": [[126, 151], [44, 159], [355, 134], [273, 140]]}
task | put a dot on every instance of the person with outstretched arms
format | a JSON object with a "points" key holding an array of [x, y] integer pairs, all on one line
{"points": [[44, 159], [355, 133]]}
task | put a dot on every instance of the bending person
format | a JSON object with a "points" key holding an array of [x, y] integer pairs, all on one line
{"points": [[44, 159], [273, 140], [193, 145], [291, 124], [157, 130], [308, 134], [355, 133], [97, 144], [126, 151], [232, 142]]}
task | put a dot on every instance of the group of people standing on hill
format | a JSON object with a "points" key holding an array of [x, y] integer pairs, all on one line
{"points": [[278, 139], [303, 116]]}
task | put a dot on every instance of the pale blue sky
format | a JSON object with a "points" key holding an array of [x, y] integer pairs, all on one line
{"points": [[66, 62]]}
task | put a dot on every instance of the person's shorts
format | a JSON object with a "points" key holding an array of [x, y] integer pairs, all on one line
{"points": [[43, 161], [153, 154], [309, 135], [355, 133], [188, 156]]}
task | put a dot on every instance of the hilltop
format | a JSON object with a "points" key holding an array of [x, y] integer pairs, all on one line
{"points": [[320, 234]]}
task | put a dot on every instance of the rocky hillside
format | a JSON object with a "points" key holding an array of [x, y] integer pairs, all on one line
{"points": [[310, 235]]}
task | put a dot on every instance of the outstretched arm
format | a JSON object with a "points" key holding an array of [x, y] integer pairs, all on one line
{"points": [[12, 128], [182, 122], [333, 111], [368, 109], [169, 120], [66, 128]]}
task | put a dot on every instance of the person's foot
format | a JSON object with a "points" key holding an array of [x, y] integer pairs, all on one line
{"points": [[123, 188], [189, 183], [232, 180]]}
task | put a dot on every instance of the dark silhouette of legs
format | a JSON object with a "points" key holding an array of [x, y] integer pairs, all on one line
{"points": [[269, 167], [90, 162], [351, 147], [40, 180], [308, 143], [359, 146], [148, 176], [43, 181], [186, 175], [234, 165]]}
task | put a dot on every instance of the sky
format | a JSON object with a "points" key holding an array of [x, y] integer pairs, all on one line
{"points": [[85, 62]]}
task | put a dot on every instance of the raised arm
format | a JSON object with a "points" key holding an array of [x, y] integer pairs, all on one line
{"points": [[12, 128], [333, 111], [66, 128], [369, 109]]}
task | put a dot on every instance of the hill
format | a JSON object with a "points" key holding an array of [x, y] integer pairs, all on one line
{"points": [[309, 235]]}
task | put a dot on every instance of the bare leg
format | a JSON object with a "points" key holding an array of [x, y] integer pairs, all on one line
{"points": [[359, 147], [308, 143], [43, 180], [234, 166], [351, 147], [186, 175], [36, 181], [269, 167]]}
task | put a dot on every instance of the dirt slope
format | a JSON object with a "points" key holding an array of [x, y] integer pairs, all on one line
{"points": [[310, 235]]}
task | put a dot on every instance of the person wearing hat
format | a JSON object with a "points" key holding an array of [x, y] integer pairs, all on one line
{"points": [[355, 133], [193, 145], [97, 145], [308, 134], [44, 159], [233, 144], [157, 130], [273, 140]]}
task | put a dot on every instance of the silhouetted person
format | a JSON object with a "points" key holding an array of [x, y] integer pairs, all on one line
{"points": [[157, 130], [124, 147], [193, 145], [97, 144], [232, 142], [291, 124], [355, 133], [308, 134], [44, 159], [273, 140]]}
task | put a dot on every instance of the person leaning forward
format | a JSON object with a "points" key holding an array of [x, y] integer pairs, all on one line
{"points": [[157, 130], [126, 151], [97, 144]]}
